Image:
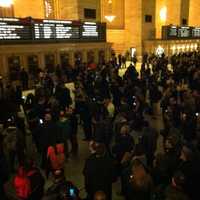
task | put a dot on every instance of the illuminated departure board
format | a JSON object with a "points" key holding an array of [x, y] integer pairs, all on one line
{"points": [[196, 32], [53, 29], [13, 29], [173, 31], [39, 30], [184, 32], [90, 29], [180, 32]]}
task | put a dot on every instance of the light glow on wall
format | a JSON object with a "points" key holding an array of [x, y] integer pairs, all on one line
{"points": [[163, 14], [160, 51], [6, 3], [110, 17]]}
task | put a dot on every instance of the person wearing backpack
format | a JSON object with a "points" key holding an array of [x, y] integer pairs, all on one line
{"points": [[14, 145], [4, 172], [36, 181], [61, 189], [65, 126]]}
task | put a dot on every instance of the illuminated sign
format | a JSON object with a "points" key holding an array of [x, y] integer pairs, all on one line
{"points": [[180, 32], [196, 32], [184, 32], [90, 29], [51, 30], [11, 29]]}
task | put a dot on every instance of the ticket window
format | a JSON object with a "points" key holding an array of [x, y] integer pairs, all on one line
{"points": [[64, 60], [90, 57], [78, 58], [33, 65], [101, 57], [50, 62], [14, 67]]}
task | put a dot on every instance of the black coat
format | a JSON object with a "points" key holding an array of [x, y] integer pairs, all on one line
{"points": [[49, 134], [123, 144], [3, 174], [99, 173], [192, 174]]}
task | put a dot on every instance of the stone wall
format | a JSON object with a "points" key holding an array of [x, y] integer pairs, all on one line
{"points": [[33, 8], [194, 15], [185, 10], [68, 9], [118, 9], [148, 28], [117, 38], [91, 4]]}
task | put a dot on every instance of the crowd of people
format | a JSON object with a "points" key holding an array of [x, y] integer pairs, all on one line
{"points": [[115, 114]]}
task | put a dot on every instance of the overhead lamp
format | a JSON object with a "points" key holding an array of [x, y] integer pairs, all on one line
{"points": [[110, 17], [6, 3]]}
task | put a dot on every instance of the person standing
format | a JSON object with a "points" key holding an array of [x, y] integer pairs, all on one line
{"points": [[49, 134], [24, 79], [123, 62], [64, 125], [4, 174], [120, 60], [70, 113], [99, 172]]}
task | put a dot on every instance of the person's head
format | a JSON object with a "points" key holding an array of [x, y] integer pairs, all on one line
{"points": [[124, 130], [100, 195], [21, 172], [69, 110], [97, 148], [62, 114], [170, 143], [58, 175], [178, 180], [100, 149], [92, 147], [186, 153], [138, 170], [48, 117]]}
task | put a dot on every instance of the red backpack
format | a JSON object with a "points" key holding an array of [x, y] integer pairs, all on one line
{"points": [[22, 184], [56, 156]]}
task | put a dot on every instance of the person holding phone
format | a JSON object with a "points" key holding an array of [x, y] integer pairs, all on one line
{"points": [[61, 189]]}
